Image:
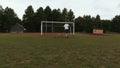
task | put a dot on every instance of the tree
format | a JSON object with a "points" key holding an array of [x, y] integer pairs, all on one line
{"points": [[115, 24], [56, 15], [10, 18], [79, 24], [88, 23], [84, 24], [48, 13], [65, 15], [71, 15], [1, 18], [97, 23], [106, 25], [39, 16], [28, 19]]}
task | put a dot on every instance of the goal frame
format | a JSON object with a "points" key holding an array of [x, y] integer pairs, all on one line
{"points": [[73, 24]]}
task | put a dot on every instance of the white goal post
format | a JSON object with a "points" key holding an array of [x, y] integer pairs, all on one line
{"points": [[52, 22]]}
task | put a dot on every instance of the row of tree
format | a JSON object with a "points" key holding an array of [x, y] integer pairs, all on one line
{"points": [[88, 23], [32, 20], [7, 18]]}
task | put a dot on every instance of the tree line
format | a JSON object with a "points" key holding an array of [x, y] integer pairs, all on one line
{"points": [[32, 20]]}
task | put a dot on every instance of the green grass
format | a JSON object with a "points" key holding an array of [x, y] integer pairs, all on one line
{"points": [[79, 51]]}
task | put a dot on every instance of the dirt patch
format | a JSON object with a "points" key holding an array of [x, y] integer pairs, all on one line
{"points": [[39, 34]]}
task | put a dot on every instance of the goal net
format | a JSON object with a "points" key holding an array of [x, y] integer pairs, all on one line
{"points": [[56, 27]]}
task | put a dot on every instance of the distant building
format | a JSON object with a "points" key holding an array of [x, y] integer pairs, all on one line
{"points": [[17, 28]]}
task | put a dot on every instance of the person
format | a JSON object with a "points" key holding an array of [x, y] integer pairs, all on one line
{"points": [[66, 27]]}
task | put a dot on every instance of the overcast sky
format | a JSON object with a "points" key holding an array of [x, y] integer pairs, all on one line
{"points": [[107, 9]]}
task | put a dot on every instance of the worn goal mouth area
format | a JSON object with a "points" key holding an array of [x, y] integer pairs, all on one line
{"points": [[55, 34]]}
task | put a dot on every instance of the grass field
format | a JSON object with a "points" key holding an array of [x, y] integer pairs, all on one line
{"points": [[79, 51]]}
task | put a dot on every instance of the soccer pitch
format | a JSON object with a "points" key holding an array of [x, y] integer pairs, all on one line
{"points": [[78, 51]]}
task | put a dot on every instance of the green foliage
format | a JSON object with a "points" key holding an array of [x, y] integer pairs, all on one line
{"points": [[9, 18], [79, 24], [32, 20], [48, 13], [88, 24], [65, 15], [98, 24], [56, 15], [39, 16], [85, 24], [106, 25], [28, 19], [115, 24], [1, 18], [71, 16]]}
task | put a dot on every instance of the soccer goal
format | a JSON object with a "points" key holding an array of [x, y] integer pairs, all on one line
{"points": [[56, 27]]}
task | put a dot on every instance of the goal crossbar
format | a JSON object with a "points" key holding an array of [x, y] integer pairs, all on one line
{"points": [[42, 22], [56, 22]]}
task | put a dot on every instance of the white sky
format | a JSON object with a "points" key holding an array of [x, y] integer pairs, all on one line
{"points": [[107, 9]]}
